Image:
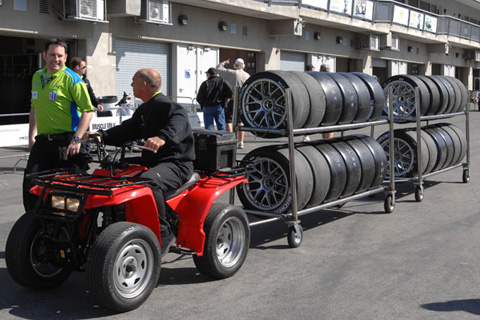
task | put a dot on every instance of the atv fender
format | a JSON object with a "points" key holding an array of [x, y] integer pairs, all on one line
{"points": [[194, 206]]}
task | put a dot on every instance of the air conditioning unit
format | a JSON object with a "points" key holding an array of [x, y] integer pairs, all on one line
{"points": [[156, 11], [389, 41], [447, 49], [367, 41], [92, 10]]}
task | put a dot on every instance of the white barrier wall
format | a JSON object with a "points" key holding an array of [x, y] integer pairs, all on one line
{"points": [[14, 135]]}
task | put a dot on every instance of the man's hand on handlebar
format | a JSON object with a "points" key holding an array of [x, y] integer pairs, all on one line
{"points": [[154, 143]]}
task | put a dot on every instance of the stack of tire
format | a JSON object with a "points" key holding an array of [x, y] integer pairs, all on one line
{"points": [[317, 99], [437, 95], [442, 146], [324, 171]]}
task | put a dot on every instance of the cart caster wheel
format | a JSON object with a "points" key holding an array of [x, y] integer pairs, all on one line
{"points": [[295, 236], [389, 204], [466, 176], [419, 193]]}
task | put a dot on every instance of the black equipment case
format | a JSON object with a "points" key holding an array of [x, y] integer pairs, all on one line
{"points": [[214, 150]]}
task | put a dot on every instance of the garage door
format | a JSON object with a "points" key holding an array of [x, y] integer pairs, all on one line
{"points": [[292, 61], [132, 55]]}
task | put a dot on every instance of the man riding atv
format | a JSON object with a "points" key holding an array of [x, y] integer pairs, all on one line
{"points": [[165, 127]]}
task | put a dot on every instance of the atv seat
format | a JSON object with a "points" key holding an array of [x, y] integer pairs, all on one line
{"points": [[193, 179]]}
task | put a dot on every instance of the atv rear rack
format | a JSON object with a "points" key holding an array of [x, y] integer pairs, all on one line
{"points": [[80, 181]]}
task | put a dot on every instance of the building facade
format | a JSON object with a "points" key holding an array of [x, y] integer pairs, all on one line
{"points": [[182, 39]]}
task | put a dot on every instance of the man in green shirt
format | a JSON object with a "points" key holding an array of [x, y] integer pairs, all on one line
{"points": [[59, 117]]}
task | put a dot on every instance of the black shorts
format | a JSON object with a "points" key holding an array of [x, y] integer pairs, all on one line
{"points": [[229, 112]]}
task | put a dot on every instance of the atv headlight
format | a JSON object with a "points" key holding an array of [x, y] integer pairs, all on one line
{"points": [[72, 204], [65, 203], [58, 202]]}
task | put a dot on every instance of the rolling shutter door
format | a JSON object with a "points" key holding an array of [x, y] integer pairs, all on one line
{"points": [[292, 61], [133, 55]]}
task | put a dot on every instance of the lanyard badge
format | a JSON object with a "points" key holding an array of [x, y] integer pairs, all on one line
{"points": [[45, 81]]}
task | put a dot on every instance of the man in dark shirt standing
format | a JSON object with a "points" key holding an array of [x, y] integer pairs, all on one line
{"points": [[80, 66], [213, 95], [165, 127]]}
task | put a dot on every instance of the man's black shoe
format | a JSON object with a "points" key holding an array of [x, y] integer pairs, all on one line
{"points": [[167, 242]]}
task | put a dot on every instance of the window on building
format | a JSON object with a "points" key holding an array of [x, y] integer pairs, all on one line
{"points": [[424, 5]]}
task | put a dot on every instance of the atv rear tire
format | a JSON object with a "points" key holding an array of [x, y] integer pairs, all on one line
{"points": [[227, 238]]}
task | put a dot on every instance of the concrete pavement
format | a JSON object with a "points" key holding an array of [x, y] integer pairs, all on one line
{"points": [[420, 262]]}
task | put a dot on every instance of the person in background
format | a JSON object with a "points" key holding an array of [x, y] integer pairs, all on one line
{"points": [[326, 135], [308, 67], [235, 77], [80, 67], [165, 127], [60, 114], [213, 95]]}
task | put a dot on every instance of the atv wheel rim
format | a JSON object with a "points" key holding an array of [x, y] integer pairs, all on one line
{"points": [[39, 256], [231, 242], [133, 268]]}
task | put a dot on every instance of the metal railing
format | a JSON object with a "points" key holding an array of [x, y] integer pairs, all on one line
{"points": [[393, 13]]}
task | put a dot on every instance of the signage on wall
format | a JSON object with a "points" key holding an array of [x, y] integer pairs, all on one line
{"points": [[400, 15], [363, 9]]}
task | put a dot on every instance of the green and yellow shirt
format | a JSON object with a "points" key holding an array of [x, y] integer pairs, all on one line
{"points": [[59, 100]]}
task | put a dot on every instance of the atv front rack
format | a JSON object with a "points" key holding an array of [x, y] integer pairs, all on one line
{"points": [[79, 181]]}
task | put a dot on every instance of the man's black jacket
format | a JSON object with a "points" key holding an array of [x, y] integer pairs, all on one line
{"points": [[213, 92], [157, 117]]}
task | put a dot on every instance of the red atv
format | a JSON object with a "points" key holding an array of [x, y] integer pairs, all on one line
{"points": [[106, 224]]}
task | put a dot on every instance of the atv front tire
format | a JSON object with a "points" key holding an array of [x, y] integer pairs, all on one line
{"points": [[124, 266], [28, 258]]}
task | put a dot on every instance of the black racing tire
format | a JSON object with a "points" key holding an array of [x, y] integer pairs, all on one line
{"points": [[443, 95], [403, 91], [350, 98], [123, 266], [457, 144], [263, 101], [434, 105], [338, 169], [405, 153], [321, 174], [381, 164], [463, 141], [441, 148], [333, 98], [352, 163], [363, 95], [377, 96], [463, 94], [268, 187], [27, 255], [367, 162], [432, 152], [457, 98], [316, 97], [425, 156], [227, 239], [450, 93], [450, 146]]}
